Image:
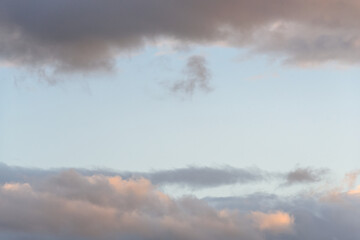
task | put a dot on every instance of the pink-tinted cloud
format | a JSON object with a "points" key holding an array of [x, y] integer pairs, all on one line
{"points": [[70, 205], [73, 205], [275, 222], [355, 191]]}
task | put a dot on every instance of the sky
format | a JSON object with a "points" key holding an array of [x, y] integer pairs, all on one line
{"points": [[186, 119]]}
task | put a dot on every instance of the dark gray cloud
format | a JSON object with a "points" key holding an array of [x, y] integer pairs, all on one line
{"points": [[88, 34], [196, 77], [305, 175]]}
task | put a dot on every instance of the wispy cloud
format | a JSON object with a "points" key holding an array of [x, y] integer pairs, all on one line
{"points": [[202, 177], [196, 76], [305, 175], [193, 177]]}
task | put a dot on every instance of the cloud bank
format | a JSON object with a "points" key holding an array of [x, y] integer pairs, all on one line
{"points": [[320, 216], [70, 205], [73, 206], [88, 35]]}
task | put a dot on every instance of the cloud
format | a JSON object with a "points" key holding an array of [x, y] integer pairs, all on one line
{"points": [[304, 175], [196, 77], [351, 177], [192, 177], [203, 177], [273, 222], [88, 35], [200, 177], [74, 206], [22, 174], [70, 205], [313, 217], [355, 191]]}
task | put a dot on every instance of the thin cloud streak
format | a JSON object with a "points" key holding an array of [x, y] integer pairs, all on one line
{"points": [[192, 177]]}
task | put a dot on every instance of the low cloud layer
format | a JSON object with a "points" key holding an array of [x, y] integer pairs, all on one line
{"points": [[320, 216], [71, 206], [192, 177], [89, 35]]}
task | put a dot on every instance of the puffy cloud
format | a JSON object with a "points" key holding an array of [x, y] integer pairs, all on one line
{"points": [[313, 217], [89, 34], [73, 205]]}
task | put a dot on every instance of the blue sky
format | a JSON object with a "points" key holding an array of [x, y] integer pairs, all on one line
{"points": [[260, 113]]}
